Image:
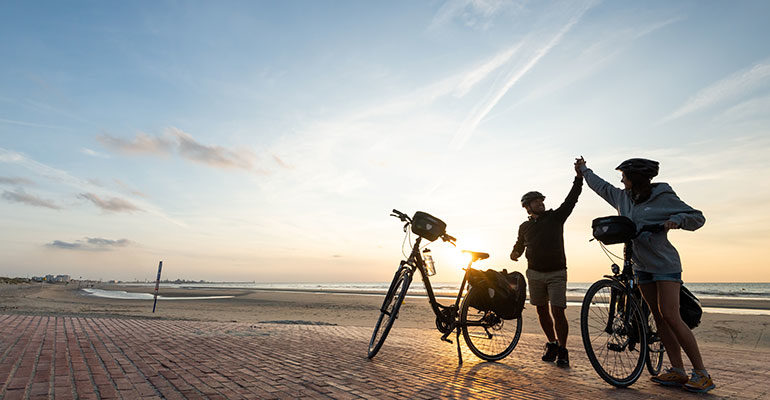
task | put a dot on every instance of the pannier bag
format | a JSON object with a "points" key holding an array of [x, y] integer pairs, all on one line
{"points": [[689, 308], [427, 226], [613, 229], [503, 293]]}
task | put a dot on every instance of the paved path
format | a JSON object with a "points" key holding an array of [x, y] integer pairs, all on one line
{"points": [[69, 357]]}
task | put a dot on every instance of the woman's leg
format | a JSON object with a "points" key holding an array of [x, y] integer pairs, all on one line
{"points": [[668, 300], [667, 336]]}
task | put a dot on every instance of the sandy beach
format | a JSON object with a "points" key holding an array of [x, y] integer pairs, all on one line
{"points": [[262, 306]]}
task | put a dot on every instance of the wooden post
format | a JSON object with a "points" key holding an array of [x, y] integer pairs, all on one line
{"points": [[157, 283]]}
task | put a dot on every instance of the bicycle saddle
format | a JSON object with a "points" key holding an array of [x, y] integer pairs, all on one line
{"points": [[476, 255]]}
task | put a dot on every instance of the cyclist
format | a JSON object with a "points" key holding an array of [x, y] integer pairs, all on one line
{"points": [[543, 237], [657, 266]]}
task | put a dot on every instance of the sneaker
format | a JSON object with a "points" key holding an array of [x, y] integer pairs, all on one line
{"points": [[563, 358], [550, 351], [700, 382], [671, 377]]}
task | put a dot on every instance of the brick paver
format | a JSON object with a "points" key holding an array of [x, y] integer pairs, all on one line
{"points": [[90, 358]]}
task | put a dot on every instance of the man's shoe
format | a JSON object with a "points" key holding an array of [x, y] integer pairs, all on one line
{"points": [[551, 349], [563, 357], [699, 382], [670, 378]]}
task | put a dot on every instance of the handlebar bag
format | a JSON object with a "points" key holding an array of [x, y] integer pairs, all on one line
{"points": [[613, 229], [427, 226]]}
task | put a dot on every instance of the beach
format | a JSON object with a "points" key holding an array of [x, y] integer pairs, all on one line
{"points": [[354, 310]]}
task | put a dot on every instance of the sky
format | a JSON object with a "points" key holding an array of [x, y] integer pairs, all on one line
{"points": [[268, 141]]}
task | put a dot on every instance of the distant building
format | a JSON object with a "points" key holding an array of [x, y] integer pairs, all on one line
{"points": [[62, 278], [49, 278]]}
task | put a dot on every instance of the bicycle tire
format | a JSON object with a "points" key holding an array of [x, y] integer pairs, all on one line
{"points": [[616, 348], [655, 349], [488, 336], [389, 310]]}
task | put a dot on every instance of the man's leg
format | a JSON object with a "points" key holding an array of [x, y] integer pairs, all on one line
{"points": [[546, 322], [560, 323]]}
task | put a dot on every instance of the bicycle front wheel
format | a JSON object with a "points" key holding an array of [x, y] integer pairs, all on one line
{"points": [[489, 337], [613, 331], [389, 310]]}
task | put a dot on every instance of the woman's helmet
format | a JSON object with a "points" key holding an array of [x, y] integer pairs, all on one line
{"points": [[529, 196], [639, 166]]}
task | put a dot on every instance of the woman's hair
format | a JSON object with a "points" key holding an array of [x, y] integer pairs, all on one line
{"points": [[641, 186]]}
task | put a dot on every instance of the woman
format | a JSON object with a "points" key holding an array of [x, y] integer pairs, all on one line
{"points": [[657, 266]]}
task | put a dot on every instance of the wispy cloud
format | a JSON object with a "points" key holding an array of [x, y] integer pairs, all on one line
{"points": [[15, 181], [20, 196], [471, 122], [477, 14], [31, 124], [65, 178], [176, 140], [141, 143], [738, 84], [93, 153], [90, 244], [113, 204]]}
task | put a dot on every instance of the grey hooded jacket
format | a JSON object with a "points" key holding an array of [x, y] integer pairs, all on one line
{"points": [[652, 252]]}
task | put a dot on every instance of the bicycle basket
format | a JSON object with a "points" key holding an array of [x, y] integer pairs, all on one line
{"points": [[427, 226], [613, 229]]}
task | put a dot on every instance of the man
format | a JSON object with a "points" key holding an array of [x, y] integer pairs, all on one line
{"points": [[543, 237]]}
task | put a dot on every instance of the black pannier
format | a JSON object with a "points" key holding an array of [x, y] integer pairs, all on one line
{"points": [[689, 308], [503, 293], [427, 226], [613, 229]]}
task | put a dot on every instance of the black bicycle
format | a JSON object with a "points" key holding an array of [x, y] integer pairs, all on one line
{"points": [[619, 332], [487, 335]]}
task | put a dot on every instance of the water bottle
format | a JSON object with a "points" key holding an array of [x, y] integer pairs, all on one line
{"points": [[430, 265]]}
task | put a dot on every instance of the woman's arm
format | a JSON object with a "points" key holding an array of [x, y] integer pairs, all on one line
{"points": [[609, 193]]}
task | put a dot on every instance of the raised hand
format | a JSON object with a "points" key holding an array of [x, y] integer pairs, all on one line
{"points": [[579, 163]]}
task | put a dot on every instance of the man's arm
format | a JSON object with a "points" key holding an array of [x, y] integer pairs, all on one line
{"points": [[565, 209], [518, 248]]}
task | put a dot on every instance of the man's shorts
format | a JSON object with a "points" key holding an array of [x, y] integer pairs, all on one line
{"points": [[643, 277], [545, 287]]}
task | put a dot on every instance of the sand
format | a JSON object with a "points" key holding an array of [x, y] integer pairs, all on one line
{"points": [[259, 306]]}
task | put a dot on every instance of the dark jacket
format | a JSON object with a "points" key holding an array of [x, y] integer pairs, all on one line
{"points": [[543, 237]]}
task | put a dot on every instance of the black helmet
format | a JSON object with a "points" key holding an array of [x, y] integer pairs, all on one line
{"points": [[641, 166], [529, 196]]}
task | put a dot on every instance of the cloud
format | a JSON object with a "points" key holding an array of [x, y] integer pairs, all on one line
{"points": [[282, 163], [176, 140], [215, 156], [142, 143], [19, 196], [90, 244], [32, 124], [113, 204], [4, 180], [481, 110], [476, 14], [93, 153], [737, 84]]}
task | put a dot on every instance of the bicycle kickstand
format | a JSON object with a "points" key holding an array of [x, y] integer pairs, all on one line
{"points": [[459, 353]]}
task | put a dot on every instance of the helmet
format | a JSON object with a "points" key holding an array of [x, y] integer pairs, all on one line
{"points": [[641, 166], [529, 196]]}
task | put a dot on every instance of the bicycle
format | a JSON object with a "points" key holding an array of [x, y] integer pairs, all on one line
{"points": [[619, 332], [486, 334]]}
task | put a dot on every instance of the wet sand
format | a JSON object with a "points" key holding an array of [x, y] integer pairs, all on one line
{"points": [[260, 306]]}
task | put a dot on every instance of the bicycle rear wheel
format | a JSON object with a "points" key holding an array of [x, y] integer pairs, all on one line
{"points": [[613, 331], [389, 309], [489, 337], [655, 349]]}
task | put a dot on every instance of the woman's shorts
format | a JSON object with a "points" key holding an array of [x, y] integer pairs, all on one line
{"points": [[643, 277]]}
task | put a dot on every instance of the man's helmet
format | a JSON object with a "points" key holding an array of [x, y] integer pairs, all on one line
{"points": [[640, 166], [529, 196]]}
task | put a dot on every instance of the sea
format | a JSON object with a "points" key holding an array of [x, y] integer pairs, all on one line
{"points": [[731, 291]]}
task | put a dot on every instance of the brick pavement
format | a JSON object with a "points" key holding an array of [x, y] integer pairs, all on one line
{"points": [[89, 358]]}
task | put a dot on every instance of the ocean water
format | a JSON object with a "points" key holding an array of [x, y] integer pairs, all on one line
{"points": [[748, 291]]}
